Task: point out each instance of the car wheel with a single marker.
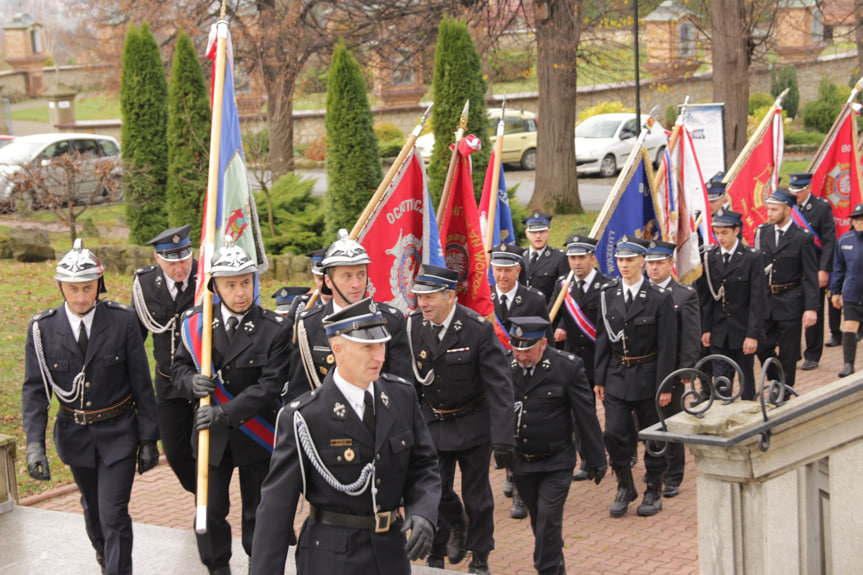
(608, 166)
(659, 153)
(528, 160)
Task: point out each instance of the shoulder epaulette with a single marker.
(304, 400)
(395, 378)
(271, 315)
(712, 247)
(687, 287)
(535, 291)
(192, 311)
(117, 305)
(43, 314)
(571, 357)
(613, 282)
(145, 269)
(308, 312)
(474, 315)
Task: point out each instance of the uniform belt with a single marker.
(162, 373)
(779, 288)
(553, 449)
(82, 417)
(631, 361)
(449, 414)
(380, 522)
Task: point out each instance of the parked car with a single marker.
(519, 138)
(5, 140)
(40, 151)
(603, 142)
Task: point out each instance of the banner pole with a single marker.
(447, 184)
(756, 136)
(495, 180)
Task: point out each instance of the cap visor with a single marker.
(373, 334)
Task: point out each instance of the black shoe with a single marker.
(455, 550)
(223, 570)
(834, 341)
(652, 502)
(808, 365)
(859, 336)
(847, 370)
(479, 563)
(581, 475)
(435, 562)
(519, 510)
(626, 492)
(507, 485)
(671, 490)
(100, 559)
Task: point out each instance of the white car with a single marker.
(603, 142)
(38, 151)
(519, 138)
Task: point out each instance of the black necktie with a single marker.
(580, 289)
(231, 327)
(725, 257)
(179, 287)
(503, 304)
(628, 299)
(533, 257)
(82, 338)
(369, 412)
(779, 234)
(437, 329)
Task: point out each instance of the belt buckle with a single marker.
(382, 521)
(79, 416)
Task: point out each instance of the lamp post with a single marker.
(637, 73)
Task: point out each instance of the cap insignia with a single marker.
(385, 399)
(176, 239)
(518, 331)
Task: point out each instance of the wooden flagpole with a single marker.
(495, 180)
(202, 491)
(447, 184)
(756, 136)
(831, 135)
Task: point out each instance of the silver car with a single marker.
(603, 142)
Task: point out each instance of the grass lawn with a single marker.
(86, 108)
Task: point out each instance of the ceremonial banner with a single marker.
(503, 231)
(836, 169)
(462, 238)
(235, 209)
(401, 234)
(631, 209)
(755, 173)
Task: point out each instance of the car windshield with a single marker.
(18, 152)
(597, 127)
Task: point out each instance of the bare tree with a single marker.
(67, 185)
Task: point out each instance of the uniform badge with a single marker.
(323, 370)
(349, 454)
(283, 293)
(347, 442)
(518, 300)
(295, 404)
(513, 363)
(457, 325)
(385, 399)
(339, 409)
(423, 354)
(808, 207)
(419, 365)
(518, 331)
(216, 322)
(546, 364)
(176, 239)
(159, 281)
(330, 359)
(249, 327)
(642, 295)
(372, 307)
(425, 323)
(548, 253)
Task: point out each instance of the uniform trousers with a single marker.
(815, 334)
(176, 424)
(214, 546)
(786, 334)
(746, 363)
(544, 493)
(477, 498)
(105, 493)
(621, 436)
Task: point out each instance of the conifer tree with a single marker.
(353, 167)
(457, 78)
(144, 105)
(188, 139)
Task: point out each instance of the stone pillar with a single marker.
(786, 502)
(8, 483)
(61, 104)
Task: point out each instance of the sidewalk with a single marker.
(594, 542)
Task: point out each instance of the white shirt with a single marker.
(783, 229)
(588, 279)
(226, 313)
(510, 295)
(663, 284)
(633, 288)
(730, 252)
(75, 321)
(355, 395)
(537, 252)
(446, 322)
(172, 285)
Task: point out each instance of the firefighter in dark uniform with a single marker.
(578, 335)
(250, 364)
(818, 213)
(512, 299)
(285, 297)
(160, 295)
(792, 283)
(636, 347)
(543, 264)
(345, 278)
(732, 317)
(357, 447)
(89, 353)
(550, 388)
(300, 302)
(466, 399)
(660, 262)
(847, 287)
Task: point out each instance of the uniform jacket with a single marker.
(253, 367)
(116, 367)
(688, 312)
(819, 214)
(792, 261)
(549, 266)
(740, 314)
(527, 301)
(847, 278)
(162, 308)
(469, 366)
(316, 343)
(649, 326)
(576, 341)
(406, 469)
(557, 390)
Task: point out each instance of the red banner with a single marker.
(837, 175)
(755, 180)
(461, 237)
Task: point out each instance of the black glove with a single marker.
(504, 455)
(203, 385)
(211, 417)
(148, 456)
(422, 533)
(37, 462)
(597, 473)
